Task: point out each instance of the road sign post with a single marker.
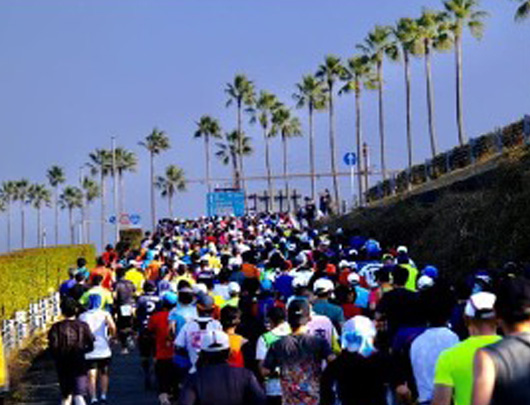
(350, 159)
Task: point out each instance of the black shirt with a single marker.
(399, 307)
(222, 385)
(69, 341)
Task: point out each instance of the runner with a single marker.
(124, 307)
(68, 341)
(102, 327)
(216, 382)
(299, 357)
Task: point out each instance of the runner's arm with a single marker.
(484, 382)
(111, 325)
(442, 395)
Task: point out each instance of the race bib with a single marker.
(126, 310)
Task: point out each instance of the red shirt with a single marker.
(109, 257)
(105, 273)
(159, 327)
(350, 310)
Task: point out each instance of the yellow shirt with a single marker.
(137, 278)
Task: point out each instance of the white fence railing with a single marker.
(24, 324)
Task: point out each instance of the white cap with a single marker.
(480, 306)
(215, 341)
(234, 288)
(354, 279)
(300, 281)
(402, 249)
(355, 331)
(343, 264)
(323, 285)
(425, 282)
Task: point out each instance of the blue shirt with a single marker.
(332, 311)
(284, 285)
(363, 297)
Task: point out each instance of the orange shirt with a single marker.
(250, 271)
(235, 359)
(152, 272)
(104, 272)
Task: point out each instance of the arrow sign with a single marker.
(350, 159)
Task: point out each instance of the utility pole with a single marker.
(115, 178)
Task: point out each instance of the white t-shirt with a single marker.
(321, 326)
(222, 291)
(424, 353)
(190, 337)
(97, 322)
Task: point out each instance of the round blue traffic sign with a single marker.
(350, 159)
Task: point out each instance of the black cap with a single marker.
(298, 312)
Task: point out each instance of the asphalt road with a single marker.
(40, 386)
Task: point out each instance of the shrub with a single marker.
(28, 275)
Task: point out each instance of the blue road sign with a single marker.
(112, 219)
(350, 159)
(226, 203)
(135, 219)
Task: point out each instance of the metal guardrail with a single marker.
(24, 324)
(475, 151)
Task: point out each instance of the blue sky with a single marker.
(73, 73)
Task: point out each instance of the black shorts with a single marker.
(99, 364)
(72, 382)
(165, 375)
(146, 345)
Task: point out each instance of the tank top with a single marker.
(96, 320)
(235, 359)
(511, 357)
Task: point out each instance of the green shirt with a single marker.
(454, 367)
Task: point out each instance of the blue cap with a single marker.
(170, 298)
(430, 271)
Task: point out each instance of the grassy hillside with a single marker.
(485, 218)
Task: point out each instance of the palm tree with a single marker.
(464, 13)
(359, 74)
(7, 193)
(380, 44)
(207, 127)
(523, 11)
(407, 35)
(234, 146)
(155, 143)
(240, 92)
(91, 191)
(39, 197)
(173, 181)
(126, 161)
(56, 177)
(310, 92)
(21, 195)
(329, 72)
(101, 164)
(71, 198)
(266, 104)
(433, 34)
(287, 126)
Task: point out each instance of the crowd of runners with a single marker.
(266, 309)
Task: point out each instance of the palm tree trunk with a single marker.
(409, 110)
(285, 178)
(87, 223)
(153, 209)
(312, 154)
(233, 158)
(9, 225)
(121, 200)
(71, 221)
(207, 153)
(268, 168)
(430, 101)
(332, 149)
(381, 119)
(239, 156)
(359, 140)
(22, 225)
(462, 138)
(39, 228)
(56, 215)
(170, 206)
(103, 204)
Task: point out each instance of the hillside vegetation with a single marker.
(484, 219)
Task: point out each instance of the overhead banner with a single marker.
(222, 203)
